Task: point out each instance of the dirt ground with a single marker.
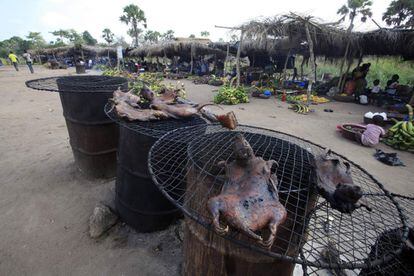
(45, 203)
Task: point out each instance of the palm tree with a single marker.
(133, 16)
(353, 8)
(168, 35)
(205, 33)
(109, 38)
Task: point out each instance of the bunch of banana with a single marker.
(300, 108)
(401, 134)
(314, 99)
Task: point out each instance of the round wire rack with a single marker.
(387, 243)
(192, 179)
(90, 84)
(154, 129)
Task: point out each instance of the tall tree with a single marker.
(108, 35)
(168, 35)
(88, 38)
(151, 36)
(400, 13)
(204, 34)
(61, 34)
(36, 40)
(133, 16)
(353, 9)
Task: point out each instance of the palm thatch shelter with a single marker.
(186, 50)
(288, 33)
(84, 51)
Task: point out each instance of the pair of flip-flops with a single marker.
(328, 110)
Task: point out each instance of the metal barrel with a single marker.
(93, 136)
(138, 200)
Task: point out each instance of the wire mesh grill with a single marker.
(191, 180)
(154, 129)
(90, 84)
(387, 243)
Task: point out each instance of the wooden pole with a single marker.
(238, 58)
(348, 31)
(192, 58)
(312, 57)
(227, 59)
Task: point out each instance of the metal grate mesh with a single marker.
(188, 176)
(386, 243)
(92, 84)
(154, 129)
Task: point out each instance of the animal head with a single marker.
(242, 149)
(147, 94)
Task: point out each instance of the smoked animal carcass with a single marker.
(335, 184)
(249, 198)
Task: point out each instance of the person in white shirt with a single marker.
(28, 58)
(375, 92)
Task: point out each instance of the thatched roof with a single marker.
(71, 50)
(281, 33)
(171, 49)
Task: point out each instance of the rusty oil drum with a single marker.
(93, 136)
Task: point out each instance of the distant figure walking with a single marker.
(13, 58)
(29, 61)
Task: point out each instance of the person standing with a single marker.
(29, 61)
(13, 58)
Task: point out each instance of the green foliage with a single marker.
(36, 39)
(205, 34)
(108, 35)
(62, 34)
(88, 38)
(354, 8)
(381, 68)
(231, 95)
(152, 36)
(132, 16)
(400, 13)
(192, 36)
(168, 35)
(15, 44)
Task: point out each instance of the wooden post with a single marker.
(192, 58)
(238, 58)
(286, 62)
(227, 59)
(301, 67)
(348, 31)
(312, 57)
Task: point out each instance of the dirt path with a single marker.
(45, 203)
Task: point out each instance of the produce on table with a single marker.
(249, 198)
(231, 95)
(401, 134)
(335, 184)
(300, 108)
(313, 99)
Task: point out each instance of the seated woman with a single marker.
(392, 85)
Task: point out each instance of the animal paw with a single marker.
(222, 230)
(268, 243)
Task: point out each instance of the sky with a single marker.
(185, 17)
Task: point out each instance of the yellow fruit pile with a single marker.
(314, 99)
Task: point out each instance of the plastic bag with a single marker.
(390, 159)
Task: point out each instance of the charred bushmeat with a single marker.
(335, 184)
(249, 198)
